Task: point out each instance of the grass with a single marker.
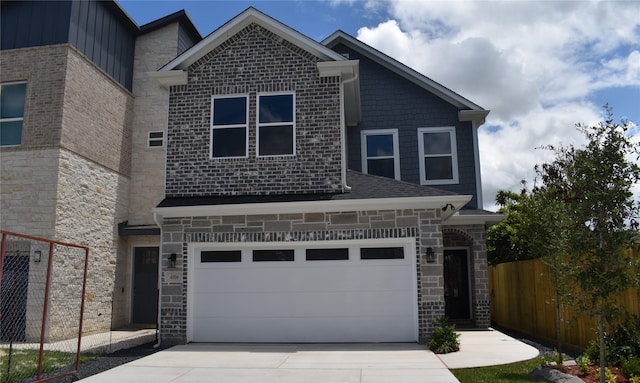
(507, 373)
(24, 363)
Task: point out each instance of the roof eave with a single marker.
(430, 202)
(402, 70)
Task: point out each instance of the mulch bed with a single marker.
(593, 376)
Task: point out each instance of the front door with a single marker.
(456, 284)
(145, 285)
(13, 298)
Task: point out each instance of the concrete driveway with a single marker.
(286, 363)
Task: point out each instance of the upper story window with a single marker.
(12, 99)
(380, 154)
(155, 139)
(276, 124)
(229, 121)
(438, 157)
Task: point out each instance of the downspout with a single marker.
(159, 340)
(343, 128)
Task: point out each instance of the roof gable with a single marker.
(233, 26)
(340, 37)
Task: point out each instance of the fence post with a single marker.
(45, 310)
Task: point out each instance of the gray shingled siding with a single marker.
(423, 225)
(253, 61)
(392, 102)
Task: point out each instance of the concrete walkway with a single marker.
(315, 363)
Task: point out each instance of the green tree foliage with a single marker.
(591, 188)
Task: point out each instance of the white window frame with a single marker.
(15, 119)
(454, 155)
(245, 125)
(266, 125)
(396, 149)
(155, 139)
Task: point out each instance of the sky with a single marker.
(540, 67)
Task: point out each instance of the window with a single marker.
(221, 256)
(272, 255)
(438, 159)
(382, 253)
(276, 125)
(12, 99)
(327, 254)
(155, 139)
(380, 153)
(229, 116)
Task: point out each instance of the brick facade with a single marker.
(254, 61)
(423, 225)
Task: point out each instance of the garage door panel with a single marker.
(304, 278)
(297, 304)
(303, 301)
(317, 329)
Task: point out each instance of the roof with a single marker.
(179, 17)
(340, 37)
(233, 26)
(367, 192)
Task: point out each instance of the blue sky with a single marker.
(539, 66)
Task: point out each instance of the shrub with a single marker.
(631, 367)
(584, 363)
(622, 343)
(444, 339)
(609, 376)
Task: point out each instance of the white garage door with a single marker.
(336, 292)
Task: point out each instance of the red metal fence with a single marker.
(42, 290)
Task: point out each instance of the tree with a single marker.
(592, 187)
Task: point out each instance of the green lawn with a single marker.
(24, 363)
(508, 373)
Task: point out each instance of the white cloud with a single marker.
(533, 64)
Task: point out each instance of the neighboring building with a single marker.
(284, 190)
(74, 97)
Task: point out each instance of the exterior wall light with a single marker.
(172, 260)
(37, 256)
(431, 255)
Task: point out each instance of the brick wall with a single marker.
(473, 237)
(423, 225)
(252, 61)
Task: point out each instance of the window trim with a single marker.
(268, 124)
(212, 127)
(455, 179)
(396, 149)
(155, 139)
(15, 119)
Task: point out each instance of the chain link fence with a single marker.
(42, 289)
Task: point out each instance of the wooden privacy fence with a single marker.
(523, 299)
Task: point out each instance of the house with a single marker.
(265, 186)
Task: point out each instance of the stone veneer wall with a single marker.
(253, 61)
(423, 225)
(91, 200)
(473, 237)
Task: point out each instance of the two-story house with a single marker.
(252, 186)
(315, 192)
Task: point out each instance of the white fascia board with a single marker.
(313, 206)
(169, 78)
(478, 116)
(235, 25)
(344, 69)
(480, 219)
(402, 70)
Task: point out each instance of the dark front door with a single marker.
(13, 298)
(145, 285)
(456, 284)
